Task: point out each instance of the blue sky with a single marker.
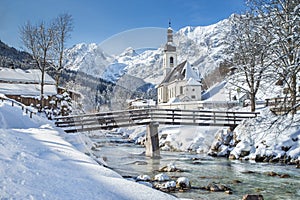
(97, 20)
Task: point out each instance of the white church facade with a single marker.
(181, 86)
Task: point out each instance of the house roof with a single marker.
(30, 90)
(25, 82)
(183, 71)
(24, 76)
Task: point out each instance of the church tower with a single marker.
(170, 55)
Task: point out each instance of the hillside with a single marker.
(11, 57)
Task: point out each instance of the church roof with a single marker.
(183, 71)
(169, 47)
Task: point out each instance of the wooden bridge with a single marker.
(152, 118)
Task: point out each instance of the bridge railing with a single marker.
(105, 120)
(125, 118)
(200, 117)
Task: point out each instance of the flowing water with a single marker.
(242, 177)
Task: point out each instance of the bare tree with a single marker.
(38, 39)
(63, 26)
(282, 25)
(250, 49)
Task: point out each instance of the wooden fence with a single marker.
(23, 107)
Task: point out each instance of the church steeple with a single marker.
(170, 33)
(170, 55)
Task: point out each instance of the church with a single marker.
(181, 82)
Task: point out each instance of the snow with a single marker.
(190, 73)
(161, 177)
(24, 76)
(192, 82)
(39, 162)
(25, 82)
(177, 138)
(31, 90)
(269, 135)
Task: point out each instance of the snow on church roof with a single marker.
(183, 71)
(190, 72)
(192, 82)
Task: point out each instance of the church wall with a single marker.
(193, 92)
(176, 89)
(162, 94)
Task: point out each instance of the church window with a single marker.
(181, 90)
(171, 60)
(193, 97)
(193, 89)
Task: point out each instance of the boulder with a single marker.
(183, 183)
(143, 178)
(170, 185)
(217, 187)
(170, 168)
(253, 197)
(161, 177)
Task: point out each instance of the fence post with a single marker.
(173, 115)
(194, 119)
(234, 118)
(214, 113)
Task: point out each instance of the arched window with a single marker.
(171, 60)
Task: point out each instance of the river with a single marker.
(243, 177)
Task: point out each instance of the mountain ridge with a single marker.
(202, 46)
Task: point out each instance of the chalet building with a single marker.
(25, 85)
(181, 82)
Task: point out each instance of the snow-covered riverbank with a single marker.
(265, 138)
(38, 162)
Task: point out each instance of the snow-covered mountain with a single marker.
(87, 58)
(203, 46)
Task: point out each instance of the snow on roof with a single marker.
(190, 72)
(193, 82)
(26, 89)
(23, 76)
(183, 71)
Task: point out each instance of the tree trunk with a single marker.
(252, 100)
(57, 76)
(293, 94)
(42, 91)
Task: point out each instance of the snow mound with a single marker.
(14, 117)
(269, 136)
(36, 162)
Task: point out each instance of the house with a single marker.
(181, 82)
(141, 103)
(25, 85)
